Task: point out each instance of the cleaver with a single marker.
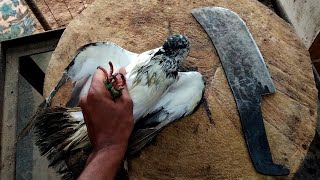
(248, 78)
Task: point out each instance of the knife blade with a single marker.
(248, 78)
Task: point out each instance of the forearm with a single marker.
(103, 164)
(109, 123)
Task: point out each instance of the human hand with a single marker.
(109, 122)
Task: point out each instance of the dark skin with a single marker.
(109, 123)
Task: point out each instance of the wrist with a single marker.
(103, 163)
(111, 152)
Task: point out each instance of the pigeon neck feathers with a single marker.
(174, 50)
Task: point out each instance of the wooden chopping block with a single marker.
(195, 147)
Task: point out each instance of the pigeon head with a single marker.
(174, 50)
(165, 62)
(176, 46)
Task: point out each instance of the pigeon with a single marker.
(161, 94)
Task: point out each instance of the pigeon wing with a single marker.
(86, 61)
(178, 101)
(81, 69)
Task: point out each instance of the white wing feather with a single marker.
(99, 54)
(182, 96)
(93, 55)
(179, 100)
(89, 58)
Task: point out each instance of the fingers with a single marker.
(122, 71)
(125, 94)
(97, 88)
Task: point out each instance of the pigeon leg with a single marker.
(103, 70)
(112, 83)
(116, 82)
(124, 82)
(111, 68)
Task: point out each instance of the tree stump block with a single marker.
(194, 147)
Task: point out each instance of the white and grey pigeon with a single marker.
(160, 94)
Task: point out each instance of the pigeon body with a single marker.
(160, 94)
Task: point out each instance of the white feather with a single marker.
(177, 98)
(77, 115)
(183, 96)
(100, 54)
(165, 101)
(160, 96)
